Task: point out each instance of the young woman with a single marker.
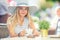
(20, 21)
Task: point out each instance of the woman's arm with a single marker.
(11, 29)
(35, 32)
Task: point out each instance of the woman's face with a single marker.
(23, 11)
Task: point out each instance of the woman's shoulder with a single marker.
(9, 19)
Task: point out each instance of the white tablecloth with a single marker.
(36, 38)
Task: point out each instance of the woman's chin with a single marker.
(22, 15)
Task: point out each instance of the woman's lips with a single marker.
(23, 13)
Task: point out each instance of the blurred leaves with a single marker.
(53, 0)
(37, 14)
(44, 25)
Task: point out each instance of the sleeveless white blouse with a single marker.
(19, 28)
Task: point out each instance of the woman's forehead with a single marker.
(22, 7)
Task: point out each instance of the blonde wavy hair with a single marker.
(14, 18)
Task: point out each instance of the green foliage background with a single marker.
(44, 25)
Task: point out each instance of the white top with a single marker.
(55, 24)
(19, 28)
(54, 21)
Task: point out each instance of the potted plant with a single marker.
(44, 26)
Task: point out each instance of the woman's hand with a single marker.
(22, 33)
(35, 33)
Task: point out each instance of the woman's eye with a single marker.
(25, 8)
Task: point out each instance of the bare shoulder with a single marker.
(9, 19)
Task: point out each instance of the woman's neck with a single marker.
(21, 20)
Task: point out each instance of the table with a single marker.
(36, 38)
